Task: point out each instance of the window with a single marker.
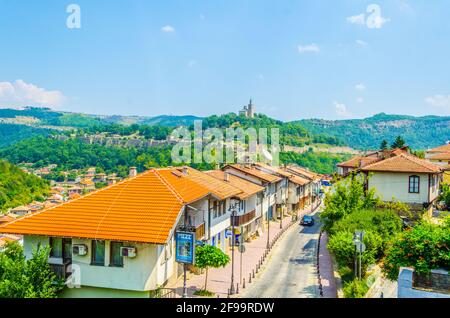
(116, 259)
(98, 253)
(414, 184)
(215, 208)
(56, 247)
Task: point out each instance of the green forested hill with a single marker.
(19, 188)
(10, 133)
(419, 132)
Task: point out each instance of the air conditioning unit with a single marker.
(79, 249)
(128, 251)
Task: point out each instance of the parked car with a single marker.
(307, 220)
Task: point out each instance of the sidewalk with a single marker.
(219, 279)
(327, 278)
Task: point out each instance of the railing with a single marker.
(163, 293)
(60, 270)
(200, 231)
(243, 219)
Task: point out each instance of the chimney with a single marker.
(133, 172)
(226, 176)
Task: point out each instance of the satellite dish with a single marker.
(267, 155)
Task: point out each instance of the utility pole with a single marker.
(268, 219)
(233, 241)
(185, 294)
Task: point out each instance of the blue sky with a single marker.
(296, 59)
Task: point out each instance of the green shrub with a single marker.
(341, 245)
(355, 289)
(424, 247)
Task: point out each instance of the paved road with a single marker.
(291, 271)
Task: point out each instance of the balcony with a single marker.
(243, 219)
(61, 270)
(200, 231)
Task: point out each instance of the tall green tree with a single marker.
(208, 256)
(399, 142)
(21, 278)
(384, 145)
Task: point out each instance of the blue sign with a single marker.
(228, 233)
(185, 247)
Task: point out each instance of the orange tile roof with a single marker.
(441, 156)
(247, 188)
(299, 180)
(6, 219)
(403, 163)
(283, 172)
(218, 188)
(266, 177)
(357, 162)
(140, 209)
(444, 148)
(188, 190)
(302, 171)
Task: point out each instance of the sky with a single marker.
(295, 58)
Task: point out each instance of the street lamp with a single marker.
(232, 208)
(268, 218)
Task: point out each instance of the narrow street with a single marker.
(291, 271)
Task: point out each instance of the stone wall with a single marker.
(410, 285)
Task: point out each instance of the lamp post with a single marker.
(268, 220)
(233, 241)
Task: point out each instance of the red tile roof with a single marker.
(444, 148)
(441, 156)
(265, 177)
(403, 163)
(247, 188)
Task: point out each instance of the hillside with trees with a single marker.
(368, 133)
(19, 188)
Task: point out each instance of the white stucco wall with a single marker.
(143, 273)
(396, 185)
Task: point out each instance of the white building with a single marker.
(404, 178)
(119, 241)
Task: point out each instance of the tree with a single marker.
(398, 143)
(21, 278)
(349, 195)
(424, 247)
(208, 256)
(384, 145)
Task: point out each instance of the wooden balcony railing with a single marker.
(243, 219)
(200, 231)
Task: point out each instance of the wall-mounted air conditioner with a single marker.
(79, 249)
(128, 251)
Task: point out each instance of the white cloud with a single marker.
(441, 101)
(361, 43)
(373, 20)
(377, 22)
(360, 87)
(359, 19)
(314, 48)
(20, 93)
(360, 100)
(168, 29)
(341, 109)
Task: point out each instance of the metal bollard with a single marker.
(253, 271)
(250, 278)
(243, 283)
(237, 288)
